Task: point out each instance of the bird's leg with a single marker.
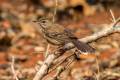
(77, 54)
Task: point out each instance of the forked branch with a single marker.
(47, 63)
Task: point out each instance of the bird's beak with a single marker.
(35, 21)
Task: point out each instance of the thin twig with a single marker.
(98, 67)
(105, 32)
(47, 50)
(55, 10)
(113, 17)
(116, 22)
(13, 69)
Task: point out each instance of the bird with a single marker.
(58, 35)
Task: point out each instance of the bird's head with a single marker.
(44, 23)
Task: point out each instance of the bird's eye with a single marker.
(43, 21)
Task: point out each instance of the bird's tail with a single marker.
(83, 47)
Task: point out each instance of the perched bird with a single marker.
(58, 35)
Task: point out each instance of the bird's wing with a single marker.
(56, 35)
(69, 33)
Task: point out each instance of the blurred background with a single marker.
(19, 37)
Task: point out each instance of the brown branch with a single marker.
(62, 61)
(63, 68)
(46, 65)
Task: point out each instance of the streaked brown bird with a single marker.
(58, 35)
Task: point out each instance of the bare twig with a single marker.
(55, 10)
(13, 69)
(98, 68)
(47, 50)
(113, 17)
(116, 22)
(59, 71)
(106, 31)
